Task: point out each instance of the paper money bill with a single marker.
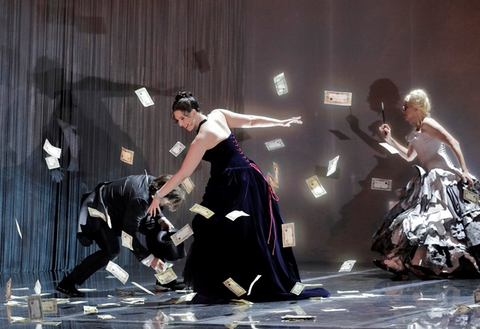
(37, 288)
(251, 284)
(297, 317)
(127, 240)
(332, 165)
(127, 155)
(52, 162)
(234, 287)
(34, 303)
(271, 181)
(52, 150)
(87, 309)
(337, 98)
(199, 209)
(117, 272)
(297, 288)
(182, 234)
(235, 214)
(274, 144)
(105, 316)
(143, 288)
(280, 84)
(18, 229)
(315, 186)
(177, 148)
(381, 184)
(347, 266)
(166, 276)
(49, 306)
(188, 185)
(288, 235)
(275, 172)
(92, 212)
(186, 298)
(144, 97)
(470, 196)
(389, 148)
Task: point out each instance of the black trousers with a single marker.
(109, 245)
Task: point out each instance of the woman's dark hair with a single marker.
(176, 196)
(185, 102)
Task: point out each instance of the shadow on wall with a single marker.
(350, 237)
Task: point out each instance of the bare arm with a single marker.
(194, 156)
(407, 153)
(237, 120)
(436, 130)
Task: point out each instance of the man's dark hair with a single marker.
(176, 196)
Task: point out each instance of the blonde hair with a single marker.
(418, 98)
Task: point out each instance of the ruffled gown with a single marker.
(244, 248)
(433, 231)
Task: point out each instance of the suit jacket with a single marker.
(125, 202)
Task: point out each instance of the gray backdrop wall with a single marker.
(69, 70)
(379, 51)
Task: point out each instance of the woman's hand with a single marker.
(154, 207)
(386, 131)
(467, 178)
(288, 122)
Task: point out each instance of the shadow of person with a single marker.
(83, 125)
(351, 236)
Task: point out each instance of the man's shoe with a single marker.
(69, 289)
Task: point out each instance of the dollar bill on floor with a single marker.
(35, 311)
(347, 266)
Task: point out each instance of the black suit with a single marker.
(126, 201)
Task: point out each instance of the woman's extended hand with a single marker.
(288, 122)
(154, 207)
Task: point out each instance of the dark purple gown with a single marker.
(249, 245)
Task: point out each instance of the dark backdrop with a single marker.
(69, 70)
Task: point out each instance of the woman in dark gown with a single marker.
(249, 247)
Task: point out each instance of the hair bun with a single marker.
(183, 94)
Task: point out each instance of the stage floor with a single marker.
(365, 297)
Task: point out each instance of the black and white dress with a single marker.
(432, 231)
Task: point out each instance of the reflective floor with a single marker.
(365, 297)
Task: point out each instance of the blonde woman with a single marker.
(432, 231)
